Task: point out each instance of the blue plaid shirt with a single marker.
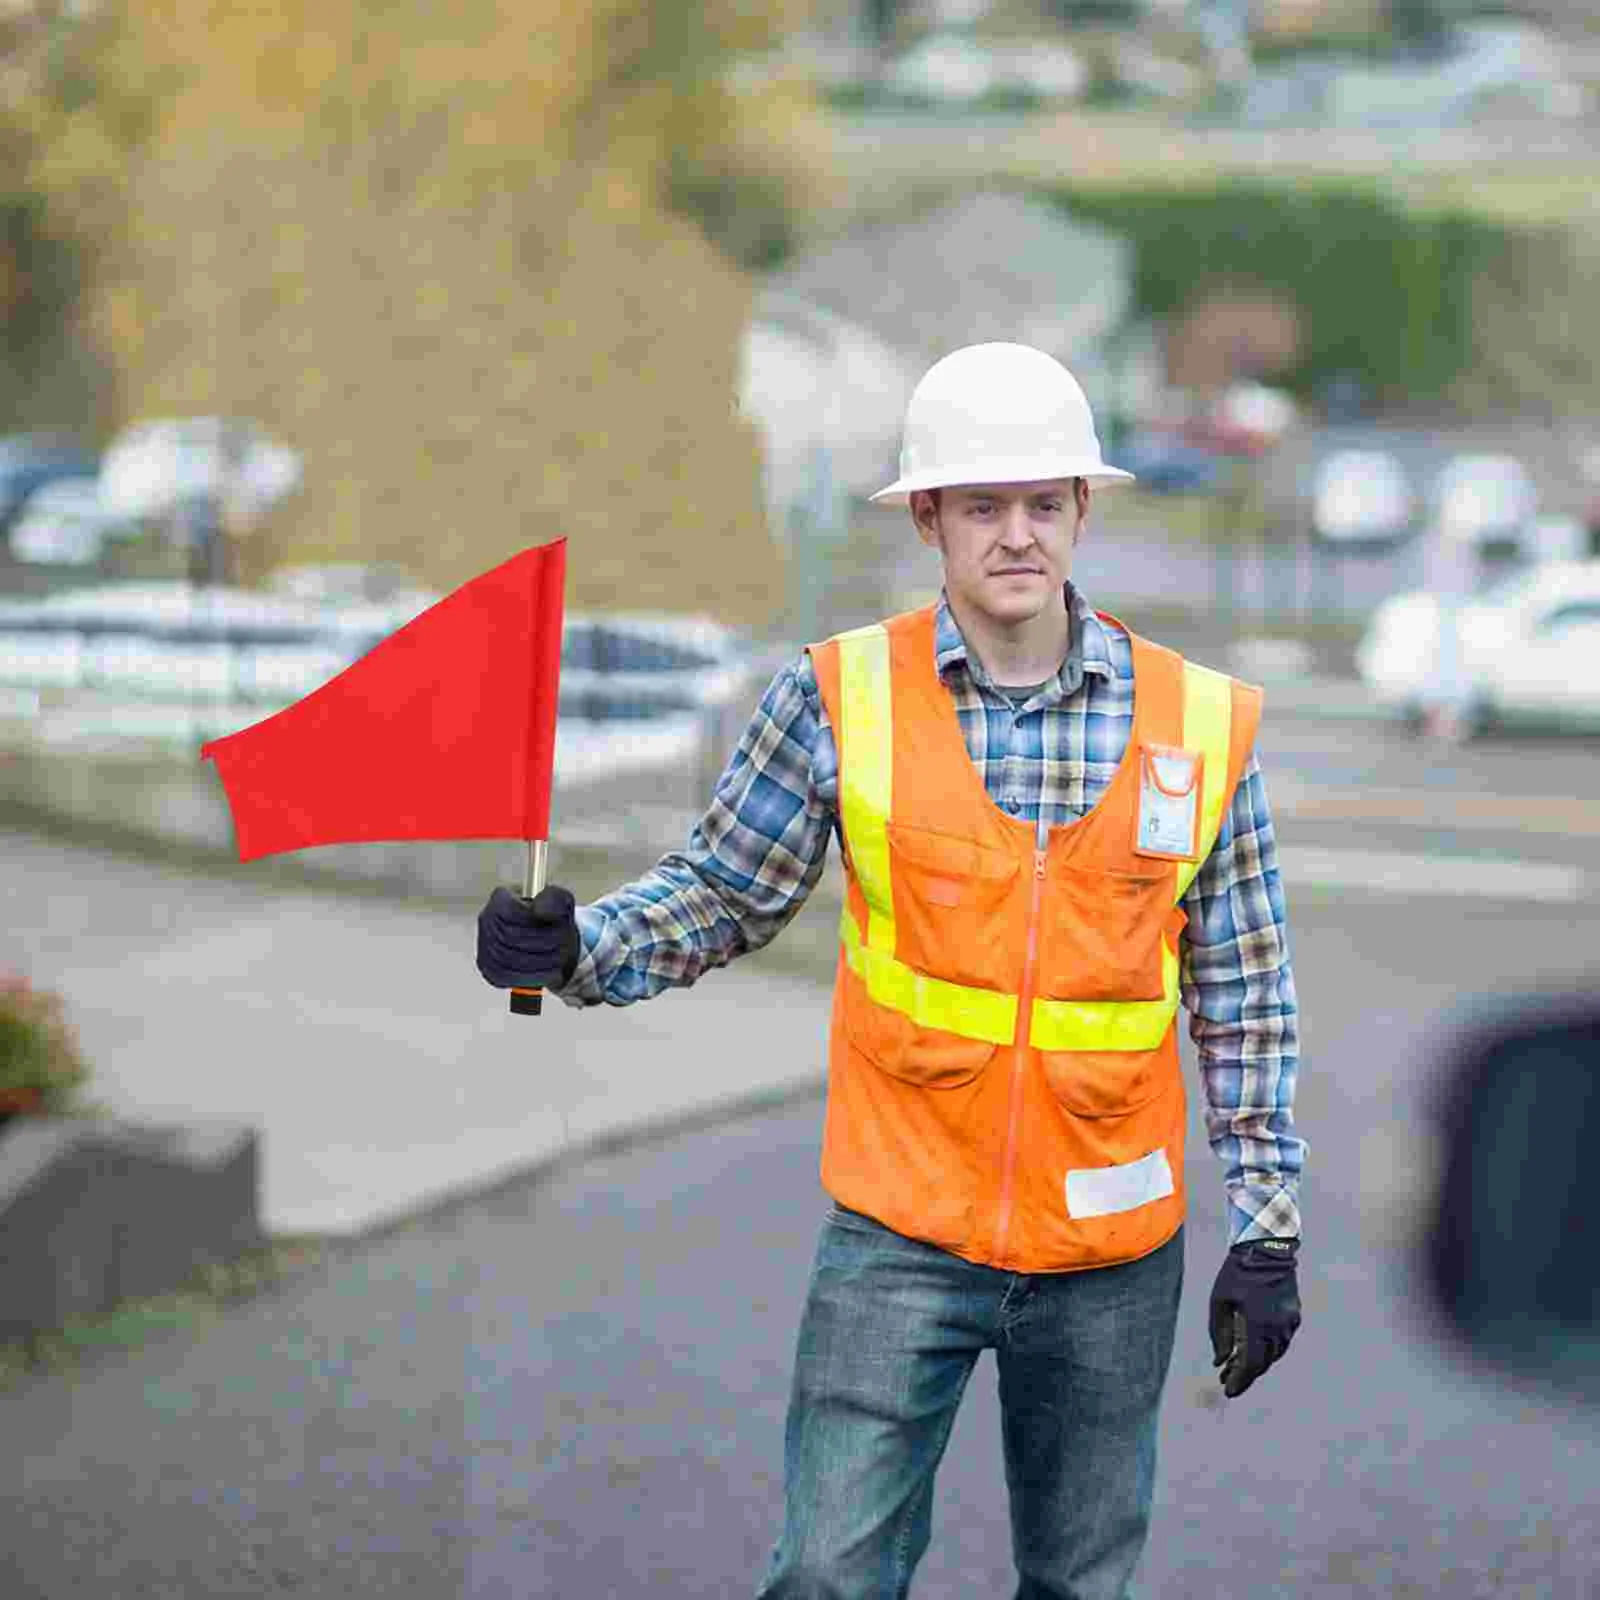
(761, 846)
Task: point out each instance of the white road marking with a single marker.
(1392, 872)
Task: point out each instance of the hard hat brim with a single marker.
(1096, 473)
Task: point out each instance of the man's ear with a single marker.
(1080, 493)
(925, 516)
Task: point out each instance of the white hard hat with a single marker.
(997, 413)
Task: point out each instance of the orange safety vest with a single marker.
(1003, 1073)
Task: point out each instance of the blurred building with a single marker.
(814, 381)
(991, 265)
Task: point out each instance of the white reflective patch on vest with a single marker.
(1102, 1191)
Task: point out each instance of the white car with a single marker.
(1361, 495)
(65, 522)
(953, 68)
(1530, 648)
(1484, 499)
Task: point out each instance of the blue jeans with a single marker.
(888, 1339)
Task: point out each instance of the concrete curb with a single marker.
(93, 1214)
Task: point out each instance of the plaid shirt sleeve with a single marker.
(1238, 985)
(748, 866)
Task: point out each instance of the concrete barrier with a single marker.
(127, 790)
(96, 1213)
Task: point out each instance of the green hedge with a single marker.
(1383, 292)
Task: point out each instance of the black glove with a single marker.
(528, 944)
(1255, 1309)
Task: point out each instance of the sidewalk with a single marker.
(357, 1035)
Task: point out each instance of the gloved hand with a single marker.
(528, 944)
(1255, 1309)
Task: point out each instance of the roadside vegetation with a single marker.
(491, 282)
(493, 287)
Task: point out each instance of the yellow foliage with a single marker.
(443, 268)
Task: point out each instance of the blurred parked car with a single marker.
(30, 460)
(64, 522)
(1562, 538)
(1361, 496)
(951, 67)
(1166, 463)
(187, 643)
(335, 583)
(152, 468)
(1487, 501)
(1530, 649)
(1247, 421)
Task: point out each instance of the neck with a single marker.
(1022, 652)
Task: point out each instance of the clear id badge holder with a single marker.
(1171, 782)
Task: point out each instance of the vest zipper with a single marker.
(1019, 1056)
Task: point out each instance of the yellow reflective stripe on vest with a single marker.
(1107, 1024)
(866, 773)
(1207, 726)
(929, 1002)
(865, 801)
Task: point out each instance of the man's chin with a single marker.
(1016, 609)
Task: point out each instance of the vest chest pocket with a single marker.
(1101, 932)
(957, 914)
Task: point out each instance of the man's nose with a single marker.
(1016, 531)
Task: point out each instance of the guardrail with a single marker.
(174, 666)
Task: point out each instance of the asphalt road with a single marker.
(575, 1386)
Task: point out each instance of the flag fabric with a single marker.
(445, 730)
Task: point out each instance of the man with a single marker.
(1052, 831)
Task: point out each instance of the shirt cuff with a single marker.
(1260, 1211)
(601, 950)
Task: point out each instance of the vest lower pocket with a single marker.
(1102, 1083)
(927, 1057)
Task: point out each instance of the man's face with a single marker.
(1007, 547)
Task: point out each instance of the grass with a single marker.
(1541, 195)
(134, 1324)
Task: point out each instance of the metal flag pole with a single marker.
(529, 1002)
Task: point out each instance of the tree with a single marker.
(445, 265)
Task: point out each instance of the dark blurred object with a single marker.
(28, 460)
(1079, 12)
(1422, 26)
(1344, 398)
(1590, 468)
(1508, 1260)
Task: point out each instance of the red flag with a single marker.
(445, 730)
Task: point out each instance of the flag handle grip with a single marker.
(530, 1002)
